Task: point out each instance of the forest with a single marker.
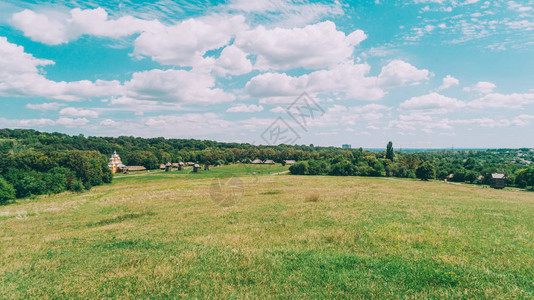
(34, 163)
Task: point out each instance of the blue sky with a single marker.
(421, 73)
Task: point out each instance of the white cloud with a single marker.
(176, 86)
(495, 100)
(20, 75)
(278, 110)
(45, 106)
(483, 87)
(432, 103)
(109, 123)
(54, 29)
(63, 121)
(185, 43)
(398, 73)
(75, 112)
(245, 108)
(314, 46)
(448, 82)
(348, 78)
(232, 61)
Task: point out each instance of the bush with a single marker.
(343, 168)
(425, 171)
(7, 192)
(77, 186)
(300, 168)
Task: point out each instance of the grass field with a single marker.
(154, 235)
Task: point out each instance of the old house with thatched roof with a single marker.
(269, 162)
(196, 168)
(180, 166)
(115, 164)
(168, 167)
(288, 162)
(162, 167)
(191, 164)
(256, 161)
(498, 181)
(135, 168)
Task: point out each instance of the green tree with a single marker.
(426, 171)
(389, 152)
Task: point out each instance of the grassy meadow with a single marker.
(166, 235)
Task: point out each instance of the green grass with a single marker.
(157, 234)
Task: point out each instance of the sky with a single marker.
(420, 73)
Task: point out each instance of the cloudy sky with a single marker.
(421, 73)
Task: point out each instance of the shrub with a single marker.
(7, 192)
(300, 168)
(77, 186)
(425, 171)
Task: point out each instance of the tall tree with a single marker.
(389, 151)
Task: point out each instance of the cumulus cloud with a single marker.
(185, 43)
(495, 100)
(350, 79)
(314, 46)
(45, 106)
(399, 73)
(21, 75)
(58, 29)
(176, 86)
(245, 108)
(76, 112)
(483, 87)
(232, 61)
(63, 121)
(432, 103)
(448, 82)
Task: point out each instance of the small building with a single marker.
(196, 168)
(115, 164)
(168, 167)
(191, 164)
(180, 166)
(498, 181)
(269, 162)
(256, 161)
(162, 167)
(135, 168)
(346, 146)
(288, 162)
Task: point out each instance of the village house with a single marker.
(498, 181)
(135, 168)
(256, 161)
(289, 162)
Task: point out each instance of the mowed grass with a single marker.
(158, 235)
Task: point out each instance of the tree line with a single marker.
(34, 162)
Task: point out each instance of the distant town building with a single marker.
(115, 164)
(346, 146)
(498, 181)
